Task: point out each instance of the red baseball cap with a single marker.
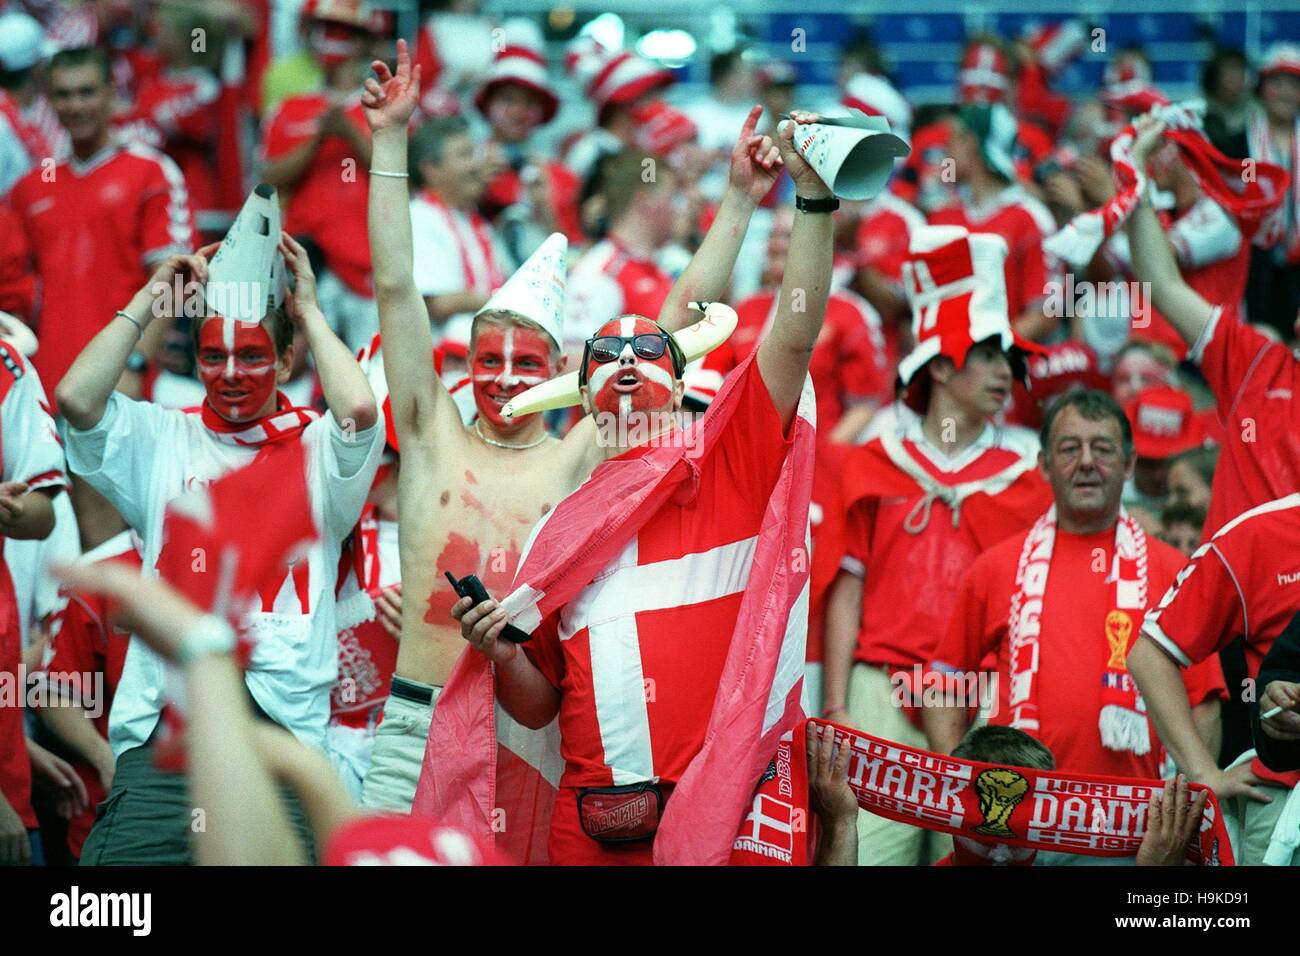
(1164, 422)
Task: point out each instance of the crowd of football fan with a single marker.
(1162, 394)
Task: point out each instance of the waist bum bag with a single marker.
(621, 814)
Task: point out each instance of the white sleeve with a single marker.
(119, 455)
(589, 303)
(1204, 235)
(437, 266)
(32, 452)
(340, 468)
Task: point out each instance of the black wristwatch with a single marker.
(137, 363)
(827, 204)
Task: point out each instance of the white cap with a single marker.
(536, 290)
(22, 41)
(248, 267)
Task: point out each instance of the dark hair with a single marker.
(1202, 460)
(1092, 405)
(723, 63)
(1005, 745)
(276, 323)
(1181, 513)
(1222, 56)
(81, 56)
(430, 140)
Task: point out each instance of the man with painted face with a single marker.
(142, 456)
(468, 495)
(684, 562)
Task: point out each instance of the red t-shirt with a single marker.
(1244, 582)
(1073, 648)
(847, 365)
(1256, 386)
(635, 699)
(94, 231)
(325, 202)
(911, 580)
(1023, 222)
(885, 233)
(86, 643)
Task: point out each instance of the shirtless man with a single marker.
(469, 495)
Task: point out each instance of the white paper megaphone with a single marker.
(695, 340)
(853, 155)
(247, 270)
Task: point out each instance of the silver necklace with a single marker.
(478, 430)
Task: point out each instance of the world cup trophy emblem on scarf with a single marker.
(1119, 628)
(999, 792)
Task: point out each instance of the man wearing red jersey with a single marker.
(923, 497)
(1255, 380)
(100, 221)
(1060, 606)
(316, 149)
(989, 199)
(31, 473)
(1244, 582)
(620, 274)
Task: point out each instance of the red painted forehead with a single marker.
(627, 325)
(519, 339)
(212, 335)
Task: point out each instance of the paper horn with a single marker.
(695, 340)
(853, 155)
(247, 271)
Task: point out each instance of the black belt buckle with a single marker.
(627, 814)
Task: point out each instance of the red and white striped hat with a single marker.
(1281, 58)
(875, 96)
(522, 62)
(1056, 45)
(984, 75)
(957, 289)
(660, 128)
(1127, 86)
(613, 78)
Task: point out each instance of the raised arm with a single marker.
(1154, 264)
(755, 166)
(418, 397)
(785, 351)
(347, 392)
(82, 394)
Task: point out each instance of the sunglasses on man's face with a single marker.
(647, 345)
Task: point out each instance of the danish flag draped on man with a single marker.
(758, 698)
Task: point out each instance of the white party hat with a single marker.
(536, 290)
(247, 271)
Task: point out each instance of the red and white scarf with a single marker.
(283, 424)
(1262, 145)
(1221, 177)
(1122, 720)
(486, 279)
(1014, 806)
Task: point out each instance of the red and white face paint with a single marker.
(507, 361)
(632, 383)
(236, 363)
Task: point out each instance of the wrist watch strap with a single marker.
(826, 204)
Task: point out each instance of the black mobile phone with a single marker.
(471, 587)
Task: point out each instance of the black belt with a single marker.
(410, 690)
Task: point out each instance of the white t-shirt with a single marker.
(141, 457)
